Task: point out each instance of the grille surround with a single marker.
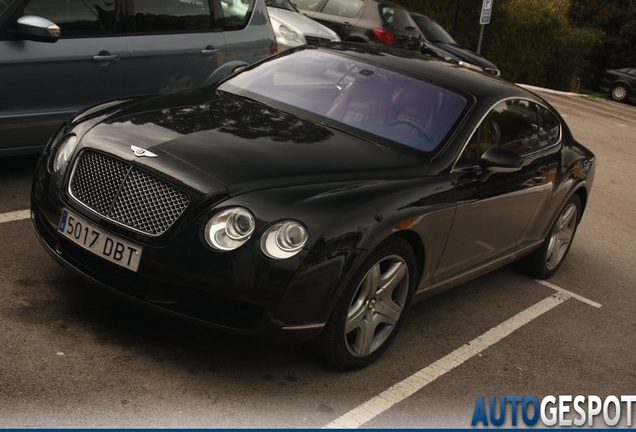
(126, 194)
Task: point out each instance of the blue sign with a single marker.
(486, 12)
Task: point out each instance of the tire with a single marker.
(545, 261)
(619, 93)
(370, 311)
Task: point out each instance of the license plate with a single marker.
(102, 244)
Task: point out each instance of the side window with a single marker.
(343, 8)
(78, 18)
(171, 16)
(549, 128)
(518, 122)
(519, 125)
(236, 14)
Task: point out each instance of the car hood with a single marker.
(459, 53)
(241, 145)
(301, 24)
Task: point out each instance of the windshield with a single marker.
(281, 4)
(432, 31)
(365, 99)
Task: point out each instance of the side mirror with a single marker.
(500, 159)
(35, 28)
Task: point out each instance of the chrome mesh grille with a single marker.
(126, 194)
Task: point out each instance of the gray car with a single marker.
(58, 56)
(293, 28)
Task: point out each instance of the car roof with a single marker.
(482, 87)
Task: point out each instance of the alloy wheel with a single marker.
(377, 305)
(562, 236)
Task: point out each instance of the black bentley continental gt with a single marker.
(313, 196)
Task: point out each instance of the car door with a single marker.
(173, 44)
(340, 15)
(44, 83)
(497, 212)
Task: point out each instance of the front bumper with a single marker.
(237, 292)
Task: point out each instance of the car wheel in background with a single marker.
(369, 313)
(619, 93)
(546, 260)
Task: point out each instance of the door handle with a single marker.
(106, 57)
(210, 50)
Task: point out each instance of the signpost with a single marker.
(486, 12)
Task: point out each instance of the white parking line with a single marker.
(14, 216)
(569, 293)
(400, 391)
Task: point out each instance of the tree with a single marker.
(616, 19)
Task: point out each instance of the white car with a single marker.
(292, 28)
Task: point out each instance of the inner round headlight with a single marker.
(284, 239)
(230, 228)
(64, 152)
(289, 34)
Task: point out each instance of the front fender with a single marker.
(346, 222)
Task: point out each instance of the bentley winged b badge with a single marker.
(139, 152)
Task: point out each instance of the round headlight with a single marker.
(470, 66)
(289, 34)
(64, 152)
(284, 239)
(230, 228)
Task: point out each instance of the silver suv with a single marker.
(58, 56)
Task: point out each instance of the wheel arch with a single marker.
(583, 196)
(411, 238)
(418, 248)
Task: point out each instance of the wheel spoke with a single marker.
(359, 306)
(387, 312)
(561, 237)
(355, 319)
(391, 278)
(567, 217)
(365, 337)
(371, 282)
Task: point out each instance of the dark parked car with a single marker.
(438, 43)
(620, 84)
(104, 49)
(368, 21)
(314, 195)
